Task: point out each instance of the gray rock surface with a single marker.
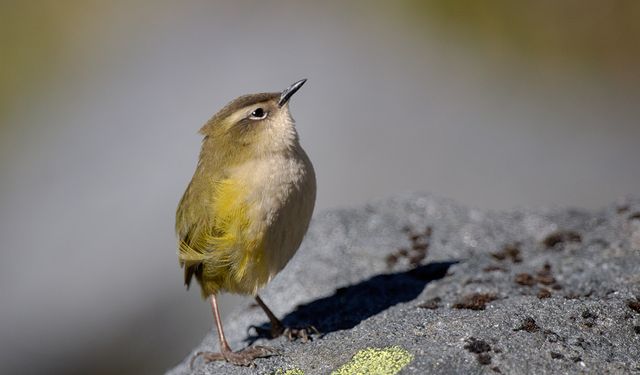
(544, 292)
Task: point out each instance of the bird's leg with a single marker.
(278, 329)
(243, 357)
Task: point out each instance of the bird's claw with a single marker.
(304, 334)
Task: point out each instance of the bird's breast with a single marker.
(280, 195)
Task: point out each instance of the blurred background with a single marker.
(496, 104)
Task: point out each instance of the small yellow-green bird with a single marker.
(247, 207)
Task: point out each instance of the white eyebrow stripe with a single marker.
(246, 111)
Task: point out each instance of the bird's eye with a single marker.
(258, 114)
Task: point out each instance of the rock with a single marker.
(382, 313)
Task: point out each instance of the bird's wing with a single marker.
(192, 226)
(210, 223)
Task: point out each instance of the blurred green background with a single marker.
(496, 104)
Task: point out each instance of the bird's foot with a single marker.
(304, 333)
(243, 357)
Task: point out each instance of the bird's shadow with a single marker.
(350, 305)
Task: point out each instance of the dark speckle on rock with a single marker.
(575, 295)
(481, 348)
(545, 279)
(543, 293)
(391, 260)
(509, 251)
(528, 325)
(552, 336)
(581, 343)
(556, 355)
(544, 276)
(339, 282)
(418, 252)
(431, 304)
(561, 237)
(634, 304)
(525, 279)
(475, 301)
(484, 358)
(475, 345)
(622, 208)
(494, 267)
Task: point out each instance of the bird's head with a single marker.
(254, 124)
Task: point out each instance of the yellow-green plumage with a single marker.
(249, 202)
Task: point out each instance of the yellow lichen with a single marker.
(376, 361)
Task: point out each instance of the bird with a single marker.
(246, 209)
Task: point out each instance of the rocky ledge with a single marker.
(418, 284)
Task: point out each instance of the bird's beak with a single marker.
(289, 91)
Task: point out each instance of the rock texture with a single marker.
(461, 290)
